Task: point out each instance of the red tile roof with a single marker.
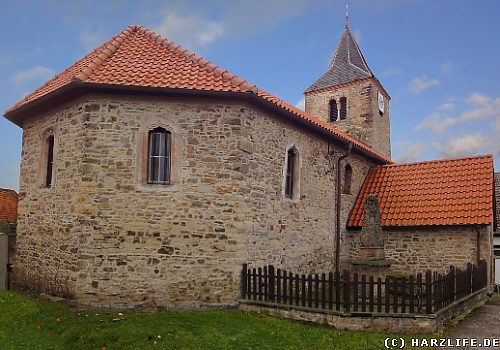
(442, 192)
(138, 57)
(8, 205)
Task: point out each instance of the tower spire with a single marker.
(346, 15)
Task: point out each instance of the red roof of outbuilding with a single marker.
(138, 57)
(442, 192)
(8, 206)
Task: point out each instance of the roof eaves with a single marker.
(12, 113)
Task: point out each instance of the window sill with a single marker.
(157, 187)
(291, 200)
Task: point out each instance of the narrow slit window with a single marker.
(50, 161)
(343, 108)
(290, 168)
(159, 156)
(334, 112)
(347, 179)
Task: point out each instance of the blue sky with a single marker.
(439, 60)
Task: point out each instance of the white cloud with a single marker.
(436, 122)
(447, 67)
(301, 104)
(463, 145)
(34, 74)
(193, 24)
(478, 99)
(421, 83)
(447, 106)
(189, 30)
(482, 107)
(411, 153)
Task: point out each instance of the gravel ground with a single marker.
(483, 323)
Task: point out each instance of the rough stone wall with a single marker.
(294, 234)
(413, 250)
(48, 232)
(115, 240)
(363, 120)
(184, 244)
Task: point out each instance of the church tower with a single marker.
(349, 97)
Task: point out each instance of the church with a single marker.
(150, 175)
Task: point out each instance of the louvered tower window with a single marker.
(343, 108)
(334, 112)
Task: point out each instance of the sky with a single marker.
(439, 60)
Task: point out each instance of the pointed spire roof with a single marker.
(347, 64)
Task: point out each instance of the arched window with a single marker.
(291, 173)
(50, 161)
(159, 156)
(343, 108)
(334, 112)
(347, 179)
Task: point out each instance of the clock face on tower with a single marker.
(381, 102)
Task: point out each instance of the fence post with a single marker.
(428, 292)
(419, 293)
(244, 285)
(271, 283)
(347, 291)
(337, 290)
(453, 284)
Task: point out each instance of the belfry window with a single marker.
(333, 111)
(50, 161)
(343, 108)
(159, 156)
(347, 179)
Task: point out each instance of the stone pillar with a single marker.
(371, 255)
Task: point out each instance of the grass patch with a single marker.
(27, 323)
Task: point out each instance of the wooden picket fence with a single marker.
(354, 293)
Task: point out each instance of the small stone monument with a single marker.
(371, 255)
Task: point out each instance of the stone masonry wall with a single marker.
(184, 244)
(363, 121)
(294, 234)
(108, 238)
(413, 250)
(48, 231)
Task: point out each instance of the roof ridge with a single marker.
(200, 61)
(488, 155)
(111, 46)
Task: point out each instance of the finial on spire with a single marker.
(346, 15)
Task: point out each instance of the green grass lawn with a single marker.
(27, 323)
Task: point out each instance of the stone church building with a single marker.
(150, 175)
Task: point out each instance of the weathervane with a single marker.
(346, 15)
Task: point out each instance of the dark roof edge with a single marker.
(338, 86)
(76, 88)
